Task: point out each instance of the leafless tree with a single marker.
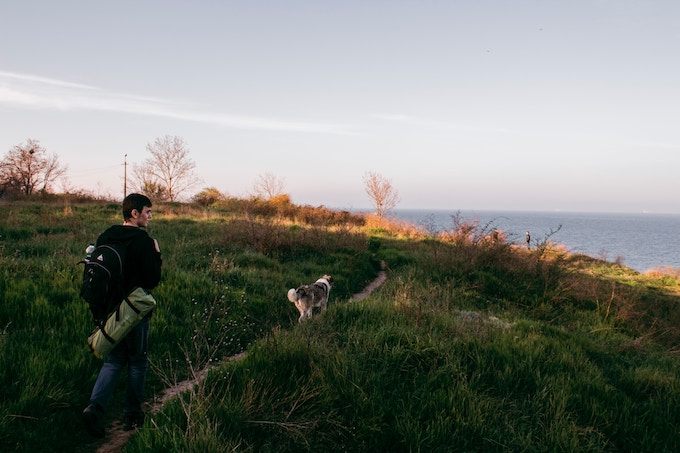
(28, 168)
(147, 182)
(381, 192)
(168, 172)
(268, 186)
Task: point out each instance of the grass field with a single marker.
(472, 344)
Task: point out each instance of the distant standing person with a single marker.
(528, 235)
(142, 268)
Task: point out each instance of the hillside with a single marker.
(471, 344)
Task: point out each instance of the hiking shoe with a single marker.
(93, 421)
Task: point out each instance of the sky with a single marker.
(461, 104)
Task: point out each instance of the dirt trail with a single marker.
(375, 284)
(116, 437)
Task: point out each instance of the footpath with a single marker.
(117, 437)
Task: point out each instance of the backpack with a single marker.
(103, 283)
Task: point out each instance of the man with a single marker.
(142, 268)
(528, 238)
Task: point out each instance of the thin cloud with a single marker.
(657, 145)
(30, 91)
(42, 80)
(431, 124)
(414, 121)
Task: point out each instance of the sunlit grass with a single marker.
(472, 342)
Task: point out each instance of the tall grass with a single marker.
(473, 344)
(224, 277)
(368, 377)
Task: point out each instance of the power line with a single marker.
(91, 171)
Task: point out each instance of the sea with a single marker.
(640, 241)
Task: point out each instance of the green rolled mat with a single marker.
(131, 310)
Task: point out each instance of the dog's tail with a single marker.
(292, 295)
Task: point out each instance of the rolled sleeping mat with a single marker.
(129, 313)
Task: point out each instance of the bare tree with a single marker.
(27, 168)
(147, 182)
(168, 172)
(268, 186)
(381, 192)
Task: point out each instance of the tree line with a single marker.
(167, 175)
(28, 169)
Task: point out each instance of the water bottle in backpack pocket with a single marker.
(102, 286)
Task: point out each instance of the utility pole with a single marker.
(125, 177)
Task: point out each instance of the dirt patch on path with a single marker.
(375, 284)
(117, 437)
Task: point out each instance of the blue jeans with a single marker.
(131, 351)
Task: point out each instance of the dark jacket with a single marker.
(142, 265)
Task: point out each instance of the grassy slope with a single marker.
(471, 345)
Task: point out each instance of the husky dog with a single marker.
(306, 297)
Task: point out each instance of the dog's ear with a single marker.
(329, 278)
